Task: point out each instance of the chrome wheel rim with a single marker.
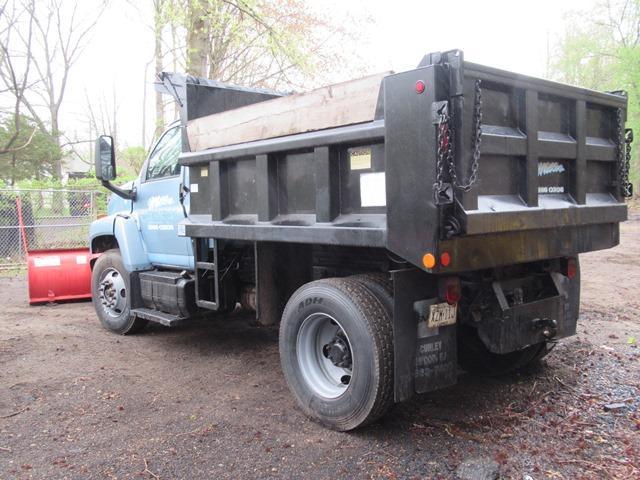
(324, 355)
(113, 292)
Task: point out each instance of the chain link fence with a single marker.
(44, 220)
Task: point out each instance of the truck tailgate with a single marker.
(549, 154)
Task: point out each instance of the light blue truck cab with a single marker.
(143, 269)
(145, 228)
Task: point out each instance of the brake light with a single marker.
(452, 293)
(420, 86)
(572, 268)
(445, 259)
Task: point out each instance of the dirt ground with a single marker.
(208, 400)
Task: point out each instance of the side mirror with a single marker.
(105, 159)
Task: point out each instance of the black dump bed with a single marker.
(547, 173)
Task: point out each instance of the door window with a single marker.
(163, 161)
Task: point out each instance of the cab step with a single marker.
(166, 319)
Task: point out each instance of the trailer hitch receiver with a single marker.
(547, 326)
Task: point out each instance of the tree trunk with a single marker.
(197, 39)
(55, 134)
(158, 59)
(174, 56)
(13, 168)
(114, 113)
(144, 111)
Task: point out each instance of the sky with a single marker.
(506, 34)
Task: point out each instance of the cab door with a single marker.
(157, 205)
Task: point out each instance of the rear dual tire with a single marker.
(320, 321)
(474, 357)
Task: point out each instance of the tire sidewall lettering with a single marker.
(309, 301)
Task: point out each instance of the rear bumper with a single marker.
(476, 252)
(479, 222)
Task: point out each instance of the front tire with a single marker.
(336, 349)
(110, 291)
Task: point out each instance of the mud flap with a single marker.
(436, 352)
(425, 359)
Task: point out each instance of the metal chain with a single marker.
(628, 140)
(445, 152)
(446, 140)
(625, 138)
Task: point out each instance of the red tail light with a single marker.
(452, 292)
(572, 268)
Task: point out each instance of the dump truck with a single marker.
(399, 228)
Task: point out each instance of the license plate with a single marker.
(441, 314)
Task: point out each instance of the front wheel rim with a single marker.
(324, 355)
(112, 292)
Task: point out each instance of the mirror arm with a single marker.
(126, 194)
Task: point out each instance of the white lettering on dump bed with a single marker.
(550, 189)
(547, 168)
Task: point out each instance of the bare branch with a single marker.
(10, 149)
(46, 51)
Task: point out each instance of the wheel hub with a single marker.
(112, 292)
(338, 351)
(324, 355)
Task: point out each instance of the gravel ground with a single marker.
(208, 400)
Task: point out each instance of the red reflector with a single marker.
(452, 294)
(572, 268)
(420, 86)
(445, 259)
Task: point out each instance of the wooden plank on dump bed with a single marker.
(332, 106)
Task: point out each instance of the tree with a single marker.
(199, 25)
(273, 44)
(600, 49)
(34, 158)
(279, 44)
(160, 14)
(132, 158)
(15, 83)
(56, 38)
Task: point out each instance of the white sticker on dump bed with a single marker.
(372, 190)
